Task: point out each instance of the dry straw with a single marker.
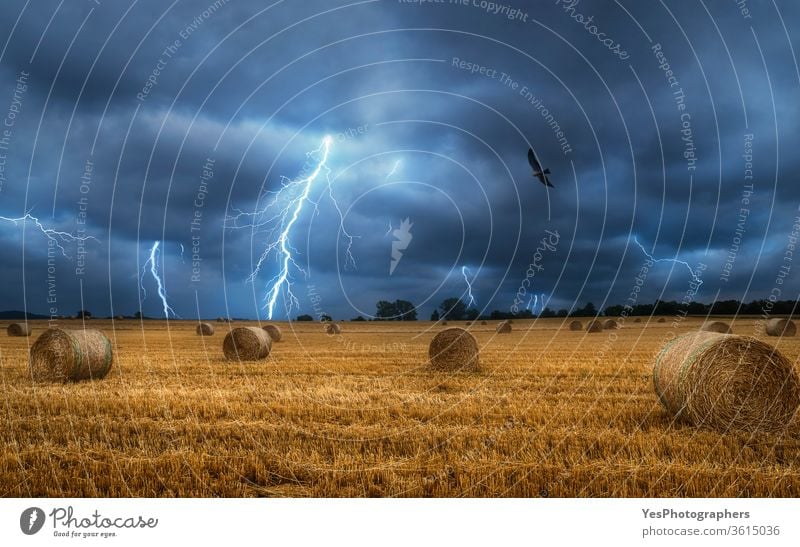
(19, 329)
(246, 344)
(610, 324)
(781, 327)
(504, 327)
(576, 325)
(594, 326)
(454, 349)
(333, 328)
(205, 329)
(61, 355)
(274, 332)
(716, 326)
(722, 381)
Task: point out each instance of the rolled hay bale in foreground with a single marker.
(716, 326)
(19, 329)
(610, 324)
(64, 355)
(723, 381)
(333, 328)
(576, 325)
(205, 329)
(247, 344)
(454, 349)
(661, 320)
(594, 326)
(504, 327)
(781, 327)
(274, 332)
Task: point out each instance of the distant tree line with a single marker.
(455, 309)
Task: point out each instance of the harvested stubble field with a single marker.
(553, 412)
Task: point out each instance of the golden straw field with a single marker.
(552, 412)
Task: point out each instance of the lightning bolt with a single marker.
(673, 260)
(152, 262)
(33, 518)
(532, 301)
(183, 250)
(394, 170)
(289, 201)
(59, 238)
(464, 272)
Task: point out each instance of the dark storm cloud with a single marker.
(252, 89)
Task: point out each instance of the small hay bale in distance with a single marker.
(205, 329)
(454, 349)
(18, 329)
(576, 325)
(778, 326)
(637, 320)
(727, 382)
(610, 324)
(274, 332)
(332, 328)
(247, 344)
(484, 322)
(70, 355)
(661, 320)
(594, 326)
(716, 326)
(444, 322)
(504, 327)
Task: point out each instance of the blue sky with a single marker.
(114, 110)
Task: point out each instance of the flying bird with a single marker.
(537, 169)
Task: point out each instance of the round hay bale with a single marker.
(246, 344)
(594, 326)
(454, 349)
(119, 318)
(610, 324)
(723, 381)
(716, 326)
(576, 325)
(220, 319)
(637, 320)
(661, 320)
(274, 332)
(504, 327)
(62, 355)
(444, 322)
(333, 328)
(484, 322)
(19, 329)
(205, 329)
(781, 327)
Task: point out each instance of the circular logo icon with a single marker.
(31, 520)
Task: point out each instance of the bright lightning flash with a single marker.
(277, 219)
(673, 260)
(58, 238)
(152, 262)
(465, 273)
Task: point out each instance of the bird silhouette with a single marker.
(537, 169)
